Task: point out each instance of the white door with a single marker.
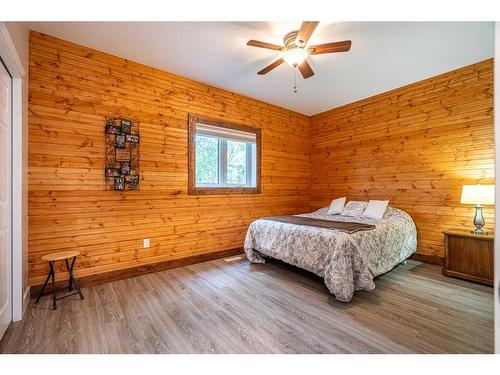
(5, 199)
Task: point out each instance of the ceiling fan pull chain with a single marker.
(295, 81)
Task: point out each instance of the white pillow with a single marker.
(336, 206)
(354, 208)
(375, 209)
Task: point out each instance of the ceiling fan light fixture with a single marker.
(294, 51)
(295, 56)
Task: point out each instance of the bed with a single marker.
(346, 261)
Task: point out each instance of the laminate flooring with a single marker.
(239, 307)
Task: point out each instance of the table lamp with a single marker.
(478, 195)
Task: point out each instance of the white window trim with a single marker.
(223, 135)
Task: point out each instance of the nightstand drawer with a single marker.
(469, 256)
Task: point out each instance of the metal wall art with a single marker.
(122, 154)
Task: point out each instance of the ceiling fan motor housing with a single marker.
(290, 38)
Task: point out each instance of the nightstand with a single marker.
(468, 256)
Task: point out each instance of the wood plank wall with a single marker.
(416, 146)
(72, 88)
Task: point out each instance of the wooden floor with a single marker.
(238, 307)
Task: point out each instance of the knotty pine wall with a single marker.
(416, 146)
(72, 88)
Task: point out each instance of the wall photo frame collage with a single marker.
(122, 154)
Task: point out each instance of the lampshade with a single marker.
(478, 194)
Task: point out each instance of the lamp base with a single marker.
(479, 221)
(479, 231)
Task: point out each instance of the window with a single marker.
(223, 158)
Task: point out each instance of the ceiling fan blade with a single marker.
(305, 69)
(256, 43)
(305, 32)
(343, 46)
(270, 67)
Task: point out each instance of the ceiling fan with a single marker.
(295, 50)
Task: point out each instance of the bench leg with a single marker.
(54, 306)
(44, 285)
(72, 278)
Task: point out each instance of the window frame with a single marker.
(219, 190)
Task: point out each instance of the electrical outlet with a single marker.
(145, 243)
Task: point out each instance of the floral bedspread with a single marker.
(347, 262)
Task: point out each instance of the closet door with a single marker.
(5, 199)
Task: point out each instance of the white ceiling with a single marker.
(383, 56)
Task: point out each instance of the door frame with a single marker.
(496, 116)
(12, 61)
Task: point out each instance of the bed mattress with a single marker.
(347, 262)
